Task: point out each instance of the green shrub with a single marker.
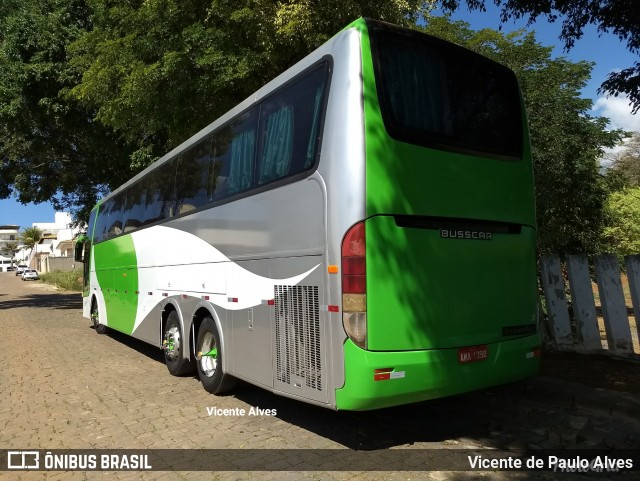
(623, 231)
(66, 280)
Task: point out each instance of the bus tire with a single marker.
(173, 347)
(210, 368)
(95, 319)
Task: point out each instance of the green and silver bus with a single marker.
(358, 233)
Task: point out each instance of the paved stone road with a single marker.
(64, 386)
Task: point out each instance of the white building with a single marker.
(57, 236)
(8, 234)
(56, 243)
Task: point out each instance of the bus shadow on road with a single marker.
(49, 301)
(142, 347)
(474, 417)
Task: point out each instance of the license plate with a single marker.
(472, 354)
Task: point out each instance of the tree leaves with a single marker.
(624, 171)
(92, 91)
(623, 230)
(31, 236)
(158, 71)
(51, 148)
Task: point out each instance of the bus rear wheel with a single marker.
(173, 346)
(209, 355)
(95, 319)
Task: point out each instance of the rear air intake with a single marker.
(297, 323)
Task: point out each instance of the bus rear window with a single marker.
(445, 97)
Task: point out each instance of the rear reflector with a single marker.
(387, 373)
(535, 353)
(382, 374)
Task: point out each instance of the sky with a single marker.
(608, 53)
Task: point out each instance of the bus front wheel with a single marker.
(95, 319)
(209, 356)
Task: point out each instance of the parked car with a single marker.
(11, 268)
(20, 269)
(30, 274)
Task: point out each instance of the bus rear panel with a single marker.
(439, 292)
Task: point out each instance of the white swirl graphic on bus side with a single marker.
(189, 265)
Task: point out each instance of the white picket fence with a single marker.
(578, 328)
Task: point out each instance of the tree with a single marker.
(30, 237)
(158, 71)
(93, 91)
(566, 142)
(624, 171)
(623, 232)
(51, 148)
(621, 17)
(10, 249)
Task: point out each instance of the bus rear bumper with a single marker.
(380, 379)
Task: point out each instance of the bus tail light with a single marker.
(354, 285)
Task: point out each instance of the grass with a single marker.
(65, 280)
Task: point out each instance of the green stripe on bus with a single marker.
(117, 274)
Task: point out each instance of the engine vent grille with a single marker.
(298, 336)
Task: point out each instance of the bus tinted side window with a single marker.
(100, 229)
(87, 249)
(289, 127)
(235, 147)
(110, 218)
(224, 163)
(134, 216)
(116, 213)
(159, 197)
(192, 178)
